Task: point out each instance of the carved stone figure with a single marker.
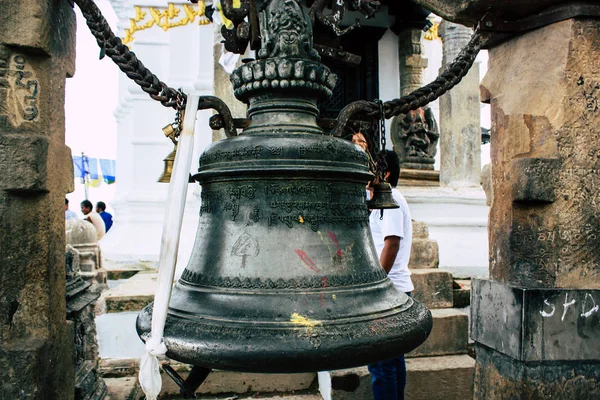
(415, 136)
(82, 236)
(80, 311)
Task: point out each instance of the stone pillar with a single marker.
(412, 61)
(460, 131)
(37, 42)
(415, 135)
(181, 57)
(536, 322)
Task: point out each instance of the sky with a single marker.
(91, 99)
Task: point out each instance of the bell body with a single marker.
(284, 276)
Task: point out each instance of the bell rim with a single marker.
(301, 349)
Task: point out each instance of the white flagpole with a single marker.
(149, 375)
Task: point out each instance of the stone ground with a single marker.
(127, 389)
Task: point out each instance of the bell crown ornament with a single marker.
(284, 276)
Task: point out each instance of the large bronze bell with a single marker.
(284, 276)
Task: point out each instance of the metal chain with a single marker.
(126, 59)
(380, 142)
(452, 75)
(382, 135)
(443, 83)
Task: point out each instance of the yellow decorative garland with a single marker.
(166, 18)
(432, 33)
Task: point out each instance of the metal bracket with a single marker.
(504, 30)
(188, 386)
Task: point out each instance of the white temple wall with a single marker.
(181, 57)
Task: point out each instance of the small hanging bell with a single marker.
(169, 160)
(382, 198)
(165, 177)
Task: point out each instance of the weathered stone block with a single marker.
(346, 384)
(536, 324)
(444, 378)
(23, 161)
(433, 287)
(535, 179)
(462, 293)
(448, 336)
(24, 363)
(500, 377)
(424, 253)
(36, 52)
(132, 295)
(123, 388)
(545, 156)
(420, 230)
(440, 378)
(42, 26)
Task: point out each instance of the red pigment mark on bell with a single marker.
(322, 294)
(306, 259)
(335, 242)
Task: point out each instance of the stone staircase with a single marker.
(439, 369)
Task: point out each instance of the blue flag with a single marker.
(79, 167)
(108, 168)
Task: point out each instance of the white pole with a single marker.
(149, 375)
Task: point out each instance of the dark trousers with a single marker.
(388, 378)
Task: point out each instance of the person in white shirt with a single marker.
(392, 236)
(87, 208)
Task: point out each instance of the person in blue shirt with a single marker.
(106, 217)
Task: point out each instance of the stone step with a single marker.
(424, 253)
(131, 294)
(449, 335)
(433, 287)
(439, 378)
(218, 382)
(420, 230)
(128, 389)
(122, 388)
(462, 293)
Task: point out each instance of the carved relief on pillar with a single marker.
(415, 136)
(20, 88)
(412, 62)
